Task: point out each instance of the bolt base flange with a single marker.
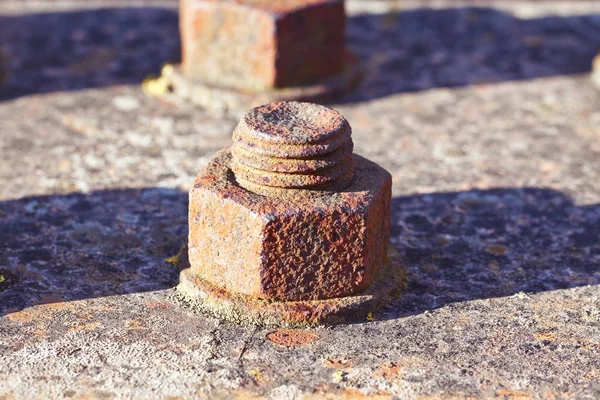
(220, 99)
(389, 282)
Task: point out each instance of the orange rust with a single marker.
(299, 245)
(389, 371)
(292, 145)
(241, 308)
(326, 393)
(512, 394)
(337, 362)
(292, 338)
(134, 325)
(162, 305)
(247, 395)
(282, 243)
(258, 44)
(497, 250)
(44, 311)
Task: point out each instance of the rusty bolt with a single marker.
(261, 44)
(292, 145)
(288, 212)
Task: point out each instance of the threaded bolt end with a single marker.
(293, 145)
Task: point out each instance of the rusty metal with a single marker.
(293, 145)
(237, 54)
(250, 44)
(289, 214)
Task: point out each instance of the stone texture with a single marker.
(495, 208)
(257, 44)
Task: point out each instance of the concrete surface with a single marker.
(496, 211)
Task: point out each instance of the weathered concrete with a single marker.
(495, 209)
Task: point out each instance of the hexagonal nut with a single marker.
(307, 246)
(258, 44)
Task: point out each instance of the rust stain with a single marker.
(497, 250)
(563, 395)
(134, 325)
(23, 316)
(85, 327)
(246, 395)
(446, 397)
(40, 312)
(87, 396)
(351, 393)
(389, 371)
(161, 305)
(337, 362)
(545, 335)
(41, 333)
(347, 394)
(292, 338)
(512, 394)
(236, 394)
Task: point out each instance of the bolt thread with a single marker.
(293, 145)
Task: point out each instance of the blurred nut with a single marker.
(258, 44)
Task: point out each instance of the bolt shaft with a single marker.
(293, 145)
